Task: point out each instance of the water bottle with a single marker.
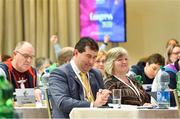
(163, 93)
(45, 84)
(178, 82)
(45, 78)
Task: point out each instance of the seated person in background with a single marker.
(99, 63)
(116, 66)
(171, 42)
(41, 64)
(65, 55)
(148, 68)
(172, 54)
(18, 68)
(5, 57)
(57, 47)
(76, 84)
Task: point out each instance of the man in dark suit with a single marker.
(66, 84)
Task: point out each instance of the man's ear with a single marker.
(14, 53)
(75, 52)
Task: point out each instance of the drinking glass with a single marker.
(116, 95)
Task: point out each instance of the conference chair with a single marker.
(177, 99)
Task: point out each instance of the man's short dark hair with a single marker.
(86, 41)
(156, 59)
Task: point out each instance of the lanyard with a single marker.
(132, 87)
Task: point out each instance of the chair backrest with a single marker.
(48, 99)
(177, 99)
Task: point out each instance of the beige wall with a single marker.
(150, 23)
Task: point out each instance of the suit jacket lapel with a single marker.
(73, 76)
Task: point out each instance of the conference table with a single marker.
(35, 111)
(124, 113)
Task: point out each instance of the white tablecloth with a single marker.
(32, 111)
(124, 113)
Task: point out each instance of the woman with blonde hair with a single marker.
(116, 66)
